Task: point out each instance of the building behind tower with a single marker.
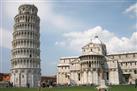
(25, 60)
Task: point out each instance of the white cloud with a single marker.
(6, 37)
(132, 10)
(10, 8)
(134, 26)
(75, 40)
(45, 11)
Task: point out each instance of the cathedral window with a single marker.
(22, 76)
(66, 75)
(126, 63)
(130, 63)
(107, 75)
(94, 69)
(135, 71)
(120, 56)
(89, 64)
(79, 76)
(125, 70)
(130, 70)
(126, 55)
(133, 55)
(15, 63)
(30, 55)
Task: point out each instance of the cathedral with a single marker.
(85, 69)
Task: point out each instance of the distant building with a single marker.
(48, 79)
(25, 61)
(85, 69)
(4, 76)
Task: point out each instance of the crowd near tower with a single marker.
(25, 60)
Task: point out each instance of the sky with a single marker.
(67, 25)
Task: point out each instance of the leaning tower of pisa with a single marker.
(25, 61)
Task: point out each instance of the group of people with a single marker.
(46, 84)
(10, 84)
(49, 84)
(42, 84)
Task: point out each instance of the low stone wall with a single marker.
(3, 84)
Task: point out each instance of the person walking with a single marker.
(28, 85)
(39, 85)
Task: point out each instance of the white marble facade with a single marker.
(25, 60)
(85, 69)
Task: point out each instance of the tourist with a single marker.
(28, 85)
(39, 85)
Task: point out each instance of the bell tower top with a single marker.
(96, 40)
(28, 9)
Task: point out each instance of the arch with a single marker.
(28, 26)
(27, 51)
(21, 50)
(24, 42)
(18, 51)
(22, 33)
(24, 51)
(28, 18)
(25, 25)
(17, 33)
(31, 18)
(21, 42)
(27, 41)
(25, 33)
(23, 18)
(30, 51)
(17, 19)
(18, 42)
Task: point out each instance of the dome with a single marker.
(96, 40)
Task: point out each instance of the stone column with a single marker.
(85, 77)
(90, 77)
(81, 77)
(32, 79)
(19, 79)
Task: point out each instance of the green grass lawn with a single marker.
(82, 88)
